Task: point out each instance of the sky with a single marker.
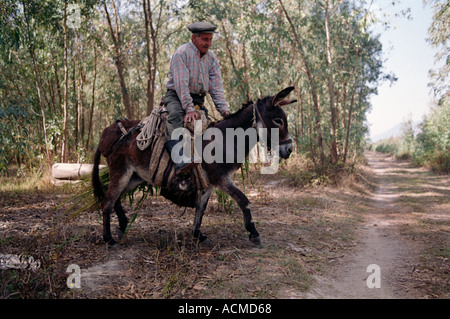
(410, 58)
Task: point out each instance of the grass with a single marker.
(23, 184)
(302, 229)
(173, 265)
(424, 199)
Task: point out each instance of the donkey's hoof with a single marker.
(206, 242)
(202, 240)
(119, 234)
(111, 243)
(255, 240)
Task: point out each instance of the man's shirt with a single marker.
(191, 74)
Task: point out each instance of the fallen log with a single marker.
(72, 171)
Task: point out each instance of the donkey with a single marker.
(128, 166)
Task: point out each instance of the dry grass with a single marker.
(304, 230)
(427, 197)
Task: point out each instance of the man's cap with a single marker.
(202, 27)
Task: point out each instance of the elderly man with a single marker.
(194, 71)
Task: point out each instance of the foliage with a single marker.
(430, 146)
(438, 37)
(389, 146)
(433, 141)
(224, 201)
(74, 80)
(14, 141)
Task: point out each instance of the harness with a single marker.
(125, 134)
(256, 113)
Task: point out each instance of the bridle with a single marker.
(256, 113)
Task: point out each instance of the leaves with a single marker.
(256, 46)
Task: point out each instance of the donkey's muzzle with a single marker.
(286, 149)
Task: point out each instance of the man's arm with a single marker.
(216, 89)
(180, 74)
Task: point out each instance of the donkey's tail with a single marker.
(96, 182)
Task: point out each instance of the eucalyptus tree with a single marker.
(438, 37)
(76, 80)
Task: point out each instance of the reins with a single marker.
(254, 124)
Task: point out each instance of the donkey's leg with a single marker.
(123, 220)
(117, 184)
(106, 212)
(121, 213)
(228, 186)
(199, 211)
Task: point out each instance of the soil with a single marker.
(317, 242)
(379, 243)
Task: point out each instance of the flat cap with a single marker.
(202, 27)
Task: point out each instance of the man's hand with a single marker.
(225, 114)
(191, 116)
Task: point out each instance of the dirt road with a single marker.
(404, 201)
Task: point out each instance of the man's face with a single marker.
(203, 42)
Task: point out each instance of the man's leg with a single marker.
(175, 120)
(175, 113)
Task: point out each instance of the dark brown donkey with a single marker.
(128, 166)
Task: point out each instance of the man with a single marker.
(194, 71)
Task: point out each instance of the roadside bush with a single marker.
(430, 146)
(433, 141)
(389, 146)
(440, 163)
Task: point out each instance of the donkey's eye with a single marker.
(278, 122)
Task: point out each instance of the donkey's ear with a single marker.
(286, 102)
(281, 96)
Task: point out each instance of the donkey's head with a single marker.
(272, 116)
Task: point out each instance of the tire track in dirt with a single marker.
(379, 243)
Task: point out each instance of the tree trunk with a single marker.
(91, 115)
(349, 123)
(41, 104)
(311, 83)
(333, 146)
(58, 86)
(115, 35)
(296, 124)
(245, 74)
(65, 143)
(80, 96)
(38, 89)
(147, 21)
(154, 35)
(302, 123)
(75, 95)
(81, 102)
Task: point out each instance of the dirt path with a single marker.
(380, 240)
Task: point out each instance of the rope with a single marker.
(149, 130)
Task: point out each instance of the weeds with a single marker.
(224, 201)
(300, 172)
(301, 231)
